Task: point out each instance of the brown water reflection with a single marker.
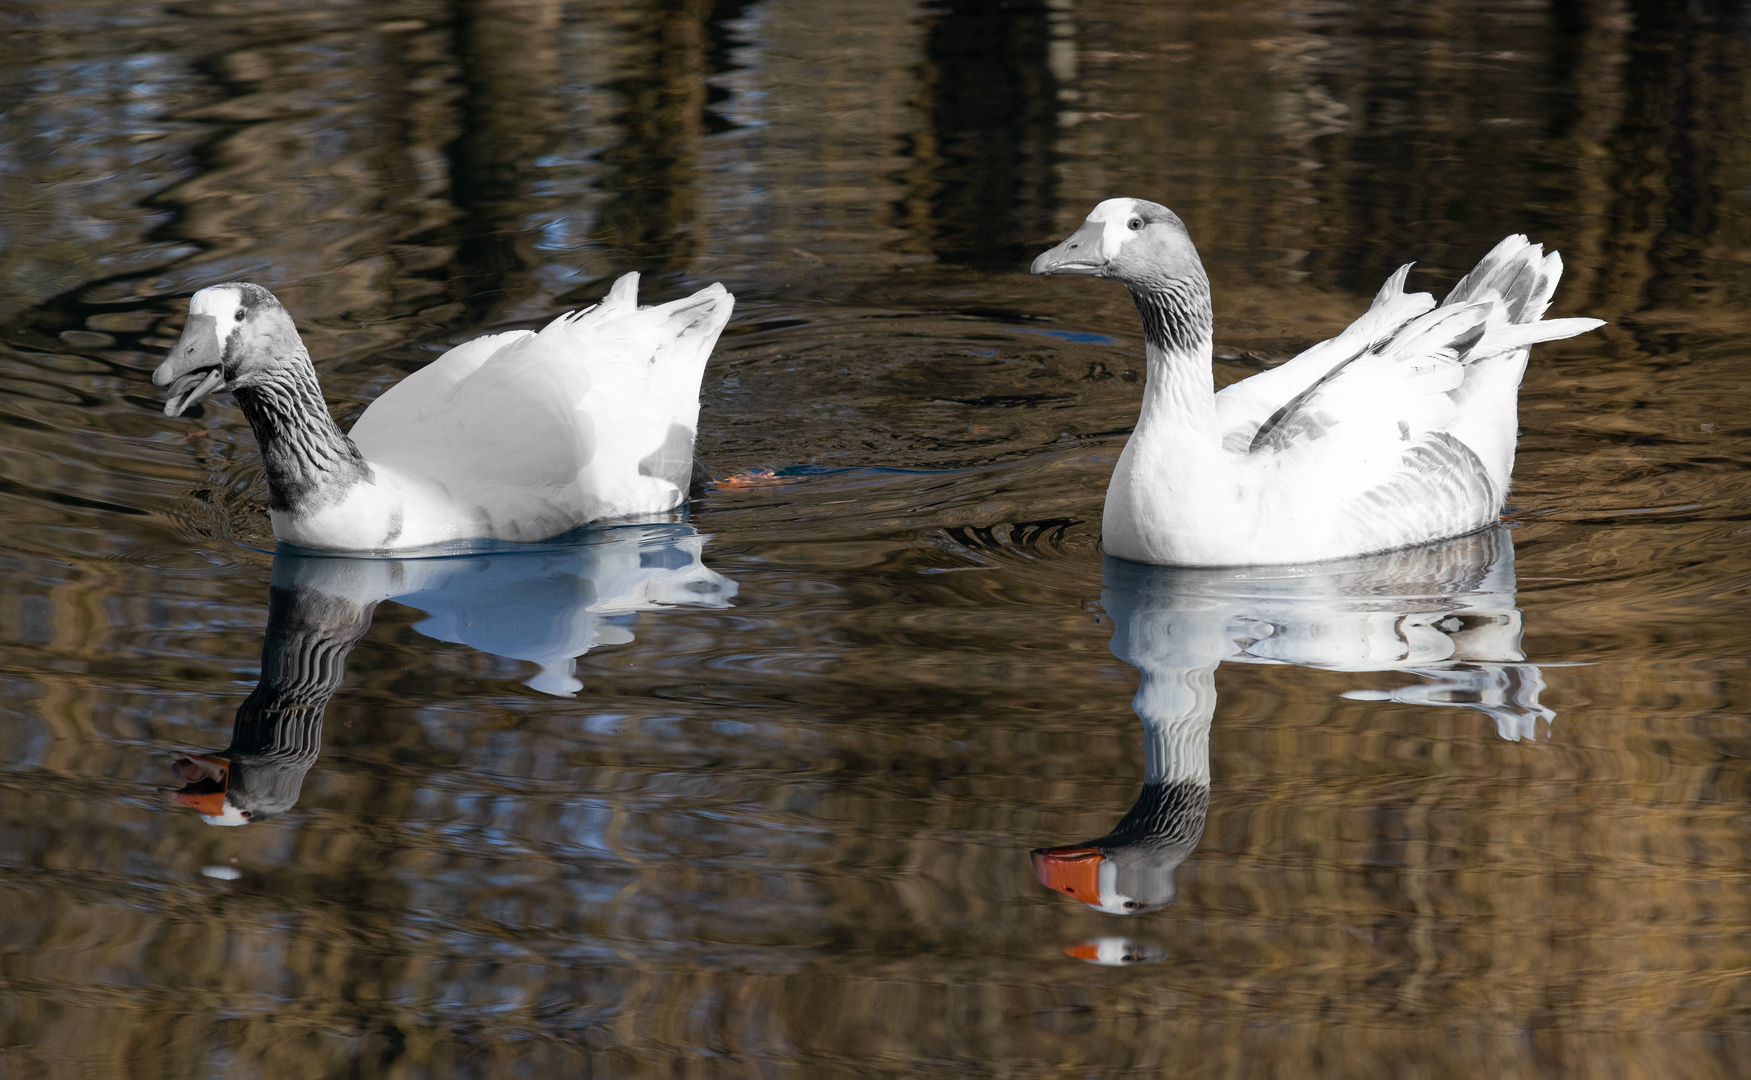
(790, 836)
(545, 604)
(1444, 612)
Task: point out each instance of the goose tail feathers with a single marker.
(687, 330)
(1522, 335)
(700, 315)
(703, 314)
(1520, 273)
(1479, 330)
(1391, 309)
(1508, 292)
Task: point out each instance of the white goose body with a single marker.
(1397, 432)
(513, 436)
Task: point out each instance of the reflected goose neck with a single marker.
(303, 663)
(1165, 815)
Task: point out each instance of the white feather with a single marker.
(523, 435)
(1398, 431)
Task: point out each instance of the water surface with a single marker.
(753, 792)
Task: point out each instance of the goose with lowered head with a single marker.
(1397, 432)
(513, 436)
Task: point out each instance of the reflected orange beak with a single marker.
(1088, 950)
(210, 803)
(1073, 871)
(202, 789)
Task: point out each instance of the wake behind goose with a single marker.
(1398, 431)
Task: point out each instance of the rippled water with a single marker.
(777, 788)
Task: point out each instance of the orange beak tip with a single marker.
(1116, 951)
(1073, 871)
(210, 803)
(751, 478)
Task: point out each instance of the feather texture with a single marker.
(1398, 431)
(511, 436)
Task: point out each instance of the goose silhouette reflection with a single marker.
(548, 605)
(1445, 612)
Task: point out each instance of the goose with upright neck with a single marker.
(1397, 432)
(513, 436)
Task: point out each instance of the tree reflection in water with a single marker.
(1444, 611)
(548, 606)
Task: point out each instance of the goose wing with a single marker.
(1243, 407)
(1413, 394)
(591, 408)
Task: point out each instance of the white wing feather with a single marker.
(582, 421)
(1409, 371)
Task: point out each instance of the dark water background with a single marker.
(782, 828)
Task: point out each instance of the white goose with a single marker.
(1397, 432)
(513, 436)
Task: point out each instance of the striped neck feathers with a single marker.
(303, 662)
(309, 460)
(1176, 331)
(1176, 316)
(278, 731)
(1167, 817)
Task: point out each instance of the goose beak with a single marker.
(1073, 871)
(1116, 951)
(206, 803)
(195, 367)
(205, 781)
(1081, 254)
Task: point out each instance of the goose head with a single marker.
(1117, 880)
(206, 788)
(235, 337)
(205, 785)
(1132, 870)
(1116, 951)
(242, 789)
(1138, 243)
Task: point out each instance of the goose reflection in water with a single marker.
(1443, 611)
(549, 606)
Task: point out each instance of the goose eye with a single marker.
(1135, 224)
(1130, 904)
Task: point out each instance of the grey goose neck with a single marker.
(303, 663)
(304, 451)
(1176, 314)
